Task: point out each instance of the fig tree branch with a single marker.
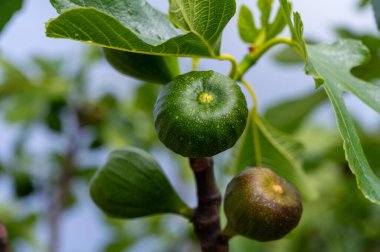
(206, 216)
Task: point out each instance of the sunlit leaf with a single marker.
(246, 25)
(277, 26)
(134, 25)
(295, 26)
(265, 7)
(370, 69)
(330, 65)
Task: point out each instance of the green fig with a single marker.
(151, 68)
(261, 205)
(132, 184)
(200, 114)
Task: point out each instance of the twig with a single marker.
(206, 216)
(60, 197)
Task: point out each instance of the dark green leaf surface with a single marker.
(132, 184)
(152, 68)
(135, 26)
(330, 65)
(289, 115)
(7, 9)
(376, 9)
(246, 25)
(276, 150)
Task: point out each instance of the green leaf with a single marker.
(265, 7)
(277, 26)
(370, 69)
(367, 180)
(272, 149)
(7, 9)
(289, 115)
(135, 26)
(246, 25)
(376, 9)
(330, 65)
(295, 26)
(132, 184)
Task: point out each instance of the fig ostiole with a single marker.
(200, 114)
(261, 205)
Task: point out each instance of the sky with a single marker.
(25, 36)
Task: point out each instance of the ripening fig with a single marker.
(261, 205)
(200, 114)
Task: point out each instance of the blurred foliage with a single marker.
(340, 220)
(49, 99)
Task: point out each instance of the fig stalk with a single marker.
(206, 217)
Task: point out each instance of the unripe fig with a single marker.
(200, 114)
(261, 205)
(153, 68)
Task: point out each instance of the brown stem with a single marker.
(4, 245)
(206, 216)
(60, 197)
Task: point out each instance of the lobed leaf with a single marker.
(135, 26)
(330, 65)
(370, 69)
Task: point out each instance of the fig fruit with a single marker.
(152, 68)
(200, 114)
(132, 184)
(261, 205)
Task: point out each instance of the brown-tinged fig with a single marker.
(261, 205)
